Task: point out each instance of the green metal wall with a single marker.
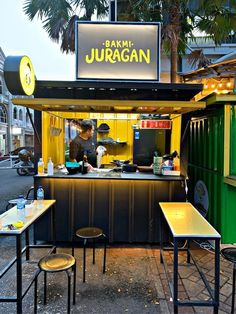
(233, 140)
(206, 161)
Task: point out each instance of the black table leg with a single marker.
(217, 274)
(188, 254)
(18, 274)
(175, 275)
(27, 244)
(161, 236)
(233, 289)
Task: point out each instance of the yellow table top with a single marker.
(10, 216)
(185, 220)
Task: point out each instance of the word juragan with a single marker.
(123, 52)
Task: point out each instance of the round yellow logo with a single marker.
(27, 76)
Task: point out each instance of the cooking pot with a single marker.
(119, 163)
(129, 167)
(73, 167)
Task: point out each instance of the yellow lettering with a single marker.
(113, 44)
(134, 56)
(116, 56)
(107, 43)
(124, 55)
(145, 56)
(118, 44)
(125, 44)
(91, 58)
(97, 57)
(108, 55)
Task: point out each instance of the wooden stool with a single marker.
(229, 254)
(93, 234)
(54, 263)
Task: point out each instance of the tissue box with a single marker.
(166, 172)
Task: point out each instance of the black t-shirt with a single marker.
(80, 147)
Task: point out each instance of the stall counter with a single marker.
(124, 205)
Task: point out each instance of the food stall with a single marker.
(124, 205)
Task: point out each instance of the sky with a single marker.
(19, 36)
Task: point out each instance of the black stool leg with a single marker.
(69, 284)
(105, 253)
(73, 248)
(45, 288)
(84, 262)
(233, 290)
(35, 291)
(74, 291)
(93, 251)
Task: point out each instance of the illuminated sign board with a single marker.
(155, 124)
(118, 51)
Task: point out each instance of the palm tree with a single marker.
(59, 16)
(180, 18)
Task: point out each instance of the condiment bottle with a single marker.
(40, 166)
(50, 167)
(85, 165)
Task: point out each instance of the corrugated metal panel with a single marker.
(206, 142)
(206, 161)
(228, 214)
(213, 182)
(232, 141)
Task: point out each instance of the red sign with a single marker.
(155, 124)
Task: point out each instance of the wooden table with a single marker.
(7, 218)
(186, 223)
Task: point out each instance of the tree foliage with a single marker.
(183, 19)
(58, 17)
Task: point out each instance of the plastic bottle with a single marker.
(155, 169)
(40, 195)
(176, 163)
(85, 165)
(50, 167)
(40, 166)
(157, 162)
(21, 208)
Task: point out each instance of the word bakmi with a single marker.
(116, 55)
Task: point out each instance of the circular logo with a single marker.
(201, 201)
(19, 75)
(27, 76)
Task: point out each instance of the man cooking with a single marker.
(83, 143)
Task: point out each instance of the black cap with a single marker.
(103, 128)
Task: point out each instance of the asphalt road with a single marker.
(11, 185)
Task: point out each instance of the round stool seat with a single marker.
(229, 253)
(56, 262)
(13, 201)
(89, 233)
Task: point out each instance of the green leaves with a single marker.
(58, 17)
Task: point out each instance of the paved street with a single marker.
(11, 185)
(135, 282)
